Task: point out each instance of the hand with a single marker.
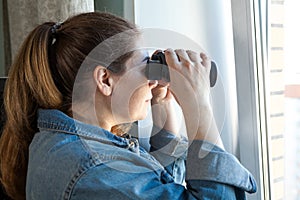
(161, 94)
(163, 114)
(189, 73)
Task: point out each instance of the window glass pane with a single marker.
(200, 22)
(284, 98)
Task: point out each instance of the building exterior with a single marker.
(284, 100)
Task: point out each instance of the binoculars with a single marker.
(157, 69)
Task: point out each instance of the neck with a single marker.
(89, 115)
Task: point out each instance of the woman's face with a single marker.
(132, 93)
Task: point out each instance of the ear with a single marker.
(103, 79)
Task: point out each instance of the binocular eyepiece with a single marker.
(157, 69)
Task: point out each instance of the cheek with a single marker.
(138, 102)
(132, 85)
(140, 95)
(129, 100)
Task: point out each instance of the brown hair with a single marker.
(42, 76)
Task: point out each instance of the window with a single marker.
(266, 43)
(276, 115)
(202, 22)
(284, 98)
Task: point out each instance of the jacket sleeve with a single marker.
(211, 174)
(209, 164)
(171, 151)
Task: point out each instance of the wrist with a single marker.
(201, 125)
(165, 116)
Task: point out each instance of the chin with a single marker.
(140, 116)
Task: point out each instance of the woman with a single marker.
(72, 91)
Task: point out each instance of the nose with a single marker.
(153, 83)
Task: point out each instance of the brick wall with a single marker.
(276, 99)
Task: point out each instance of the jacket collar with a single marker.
(55, 120)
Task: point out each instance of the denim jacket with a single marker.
(72, 160)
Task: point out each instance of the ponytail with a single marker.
(30, 86)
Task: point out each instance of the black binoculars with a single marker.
(157, 69)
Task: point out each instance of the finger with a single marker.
(182, 56)
(171, 58)
(194, 57)
(160, 88)
(169, 95)
(205, 60)
(163, 83)
(162, 95)
(157, 51)
(159, 93)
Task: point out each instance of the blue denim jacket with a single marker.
(72, 160)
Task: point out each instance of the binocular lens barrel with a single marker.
(157, 69)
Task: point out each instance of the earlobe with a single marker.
(103, 79)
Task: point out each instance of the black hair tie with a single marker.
(54, 29)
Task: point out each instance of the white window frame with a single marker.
(249, 22)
